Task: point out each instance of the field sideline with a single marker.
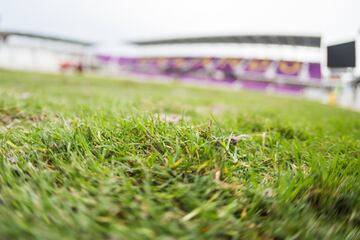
(97, 158)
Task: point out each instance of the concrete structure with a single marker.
(35, 52)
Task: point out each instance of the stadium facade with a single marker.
(37, 52)
(280, 64)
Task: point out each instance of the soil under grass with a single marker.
(96, 158)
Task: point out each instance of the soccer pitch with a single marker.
(98, 158)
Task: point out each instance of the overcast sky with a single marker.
(115, 20)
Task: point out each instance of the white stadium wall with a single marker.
(38, 55)
(27, 58)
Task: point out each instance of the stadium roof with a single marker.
(4, 35)
(304, 41)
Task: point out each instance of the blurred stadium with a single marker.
(279, 64)
(179, 119)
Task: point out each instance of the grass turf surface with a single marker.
(89, 158)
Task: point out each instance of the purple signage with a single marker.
(315, 71)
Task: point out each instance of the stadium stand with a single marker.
(258, 74)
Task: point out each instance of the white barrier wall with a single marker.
(26, 58)
(38, 55)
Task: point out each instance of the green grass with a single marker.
(92, 158)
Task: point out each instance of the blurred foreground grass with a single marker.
(90, 158)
